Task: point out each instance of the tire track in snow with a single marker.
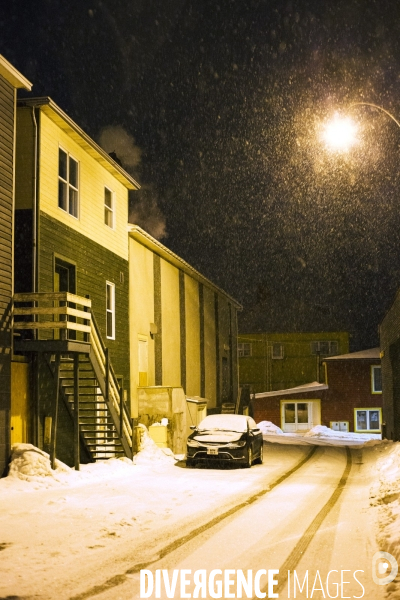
(122, 577)
(307, 537)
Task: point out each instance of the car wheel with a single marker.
(261, 457)
(249, 458)
(189, 463)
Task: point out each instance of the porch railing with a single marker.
(56, 312)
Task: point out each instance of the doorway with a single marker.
(64, 281)
(296, 416)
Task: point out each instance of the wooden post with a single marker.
(107, 376)
(55, 414)
(121, 413)
(76, 413)
(134, 437)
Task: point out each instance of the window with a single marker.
(109, 208)
(244, 349)
(110, 310)
(277, 351)
(68, 183)
(325, 348)
(367, 420)
(376, 379)
(143, 360)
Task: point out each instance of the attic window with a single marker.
(325, 348)
(68, 183)
(277, 351)
(109, 208)
(376, 379)
(244, 349)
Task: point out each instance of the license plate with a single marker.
(213, 451)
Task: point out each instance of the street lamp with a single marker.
(340, 133)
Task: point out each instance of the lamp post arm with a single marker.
(377, 107)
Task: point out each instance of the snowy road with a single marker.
(90, 540)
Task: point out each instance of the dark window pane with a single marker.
(62, 164)
(302, 412)
(107, 198)
(377, 379)
(62, 194)
(109, 324)
(362, 419)
(290, 413)
(374, 419)
(73, 202)
(73, 172)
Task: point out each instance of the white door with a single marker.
(296, 416)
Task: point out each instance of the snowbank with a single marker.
(386, 495)
(269, 428)
(32, 464)
(320, 435)
(149, 452)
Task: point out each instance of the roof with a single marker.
(371, 353)
(151, 243)
(300, 389)
(13, 76)
(58, 116)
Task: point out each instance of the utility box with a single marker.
(339, 426)
(196, 411)
(158, 402)
(159, 435)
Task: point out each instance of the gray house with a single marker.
(10, 81)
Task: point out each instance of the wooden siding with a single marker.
(171, 364)
(95, 265)
(141, 313)
(192, 337)
(7, 104)
(210, 351)
(93, 177)
(25, 159)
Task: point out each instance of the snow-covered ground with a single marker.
(320, 435)
(60, 529)
(386, 495)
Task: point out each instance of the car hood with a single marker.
(222, 437)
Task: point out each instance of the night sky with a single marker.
(224, 101)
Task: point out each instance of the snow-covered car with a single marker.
(222, 438)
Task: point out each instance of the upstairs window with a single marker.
(110, 310)
(325, 348)
(376, 379)
(244, 349)
(68, 183)
(277, 351)
(109, 213)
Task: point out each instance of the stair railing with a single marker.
(114, 392)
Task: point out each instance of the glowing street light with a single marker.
(340, 134)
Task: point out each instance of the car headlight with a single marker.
(236, 444)
(193, 443)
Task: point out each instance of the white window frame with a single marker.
(277, 355)
(109, 209)
(68, 184)
(368, 410)
(244, 349)
(110, 310)
(373, 390)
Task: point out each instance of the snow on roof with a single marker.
(307, 387)
(371, 353)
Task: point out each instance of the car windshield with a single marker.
(236, 423)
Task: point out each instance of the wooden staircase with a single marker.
(82, 372)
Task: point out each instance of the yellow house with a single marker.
(278, 361)
(183, 328)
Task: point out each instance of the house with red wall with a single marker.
(349, 400)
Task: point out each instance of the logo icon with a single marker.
(384, 568)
